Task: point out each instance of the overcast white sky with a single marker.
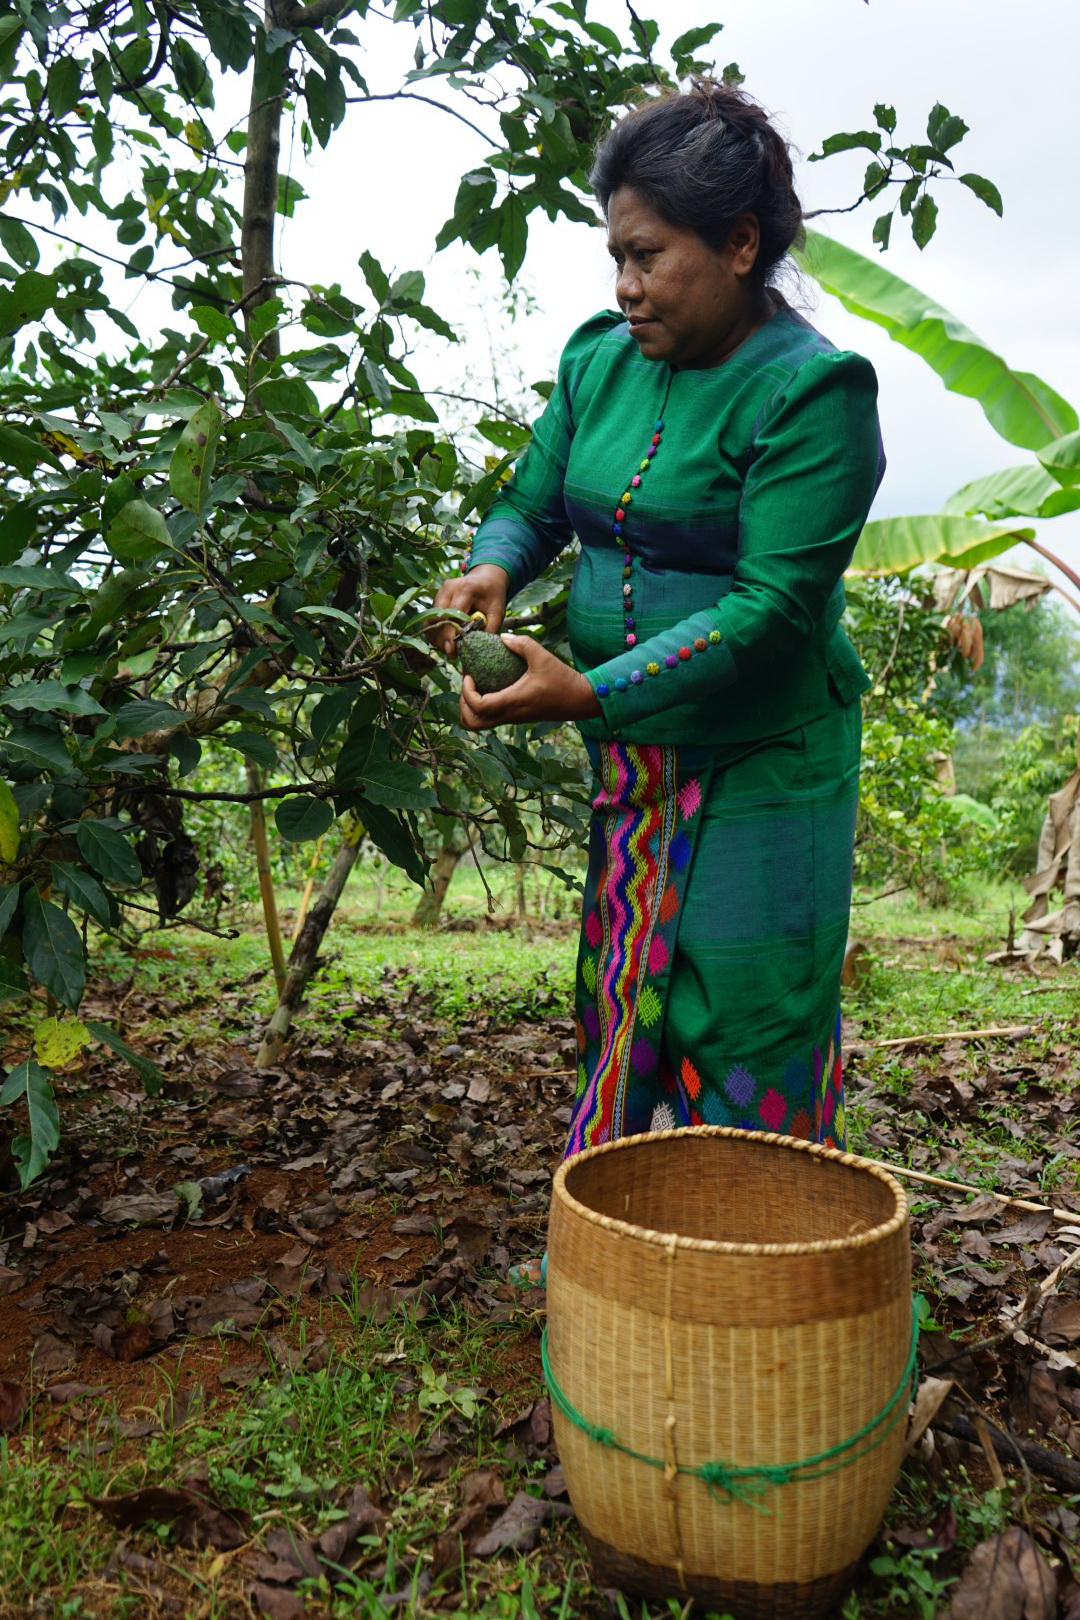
(1011, 71)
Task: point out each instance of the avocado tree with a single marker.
(231, 525)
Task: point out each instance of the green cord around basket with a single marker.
(733, 1484)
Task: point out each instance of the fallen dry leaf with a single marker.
(13, 1402)
(517, 1529)
(1007, 1579)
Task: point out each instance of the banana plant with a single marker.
(979, 520)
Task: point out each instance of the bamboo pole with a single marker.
(1070, 1216)
(305, 898)
(266, 881)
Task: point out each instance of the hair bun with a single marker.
(676, 150)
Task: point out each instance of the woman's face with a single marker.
(687, 303)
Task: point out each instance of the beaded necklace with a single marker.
(701, 643)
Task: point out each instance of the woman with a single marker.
(716, 457)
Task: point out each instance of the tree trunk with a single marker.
(266, 880)
(268, 88)
(304, 952)
(429, 910)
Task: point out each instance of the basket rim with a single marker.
(646, 1234)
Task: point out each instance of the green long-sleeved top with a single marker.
(709, 610)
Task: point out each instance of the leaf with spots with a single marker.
(192, 467)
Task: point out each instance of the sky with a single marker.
(1011, 71)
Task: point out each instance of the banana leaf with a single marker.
(1021, 407)
(1062, 459)
(897, 545)
(1015, 492)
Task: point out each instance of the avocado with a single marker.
(489, 660)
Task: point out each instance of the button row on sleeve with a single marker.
(671, 661)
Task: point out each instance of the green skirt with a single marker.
(713, 932)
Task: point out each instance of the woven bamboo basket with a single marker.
(730, 1352)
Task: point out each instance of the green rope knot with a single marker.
(748, 1485)
(740, 1484)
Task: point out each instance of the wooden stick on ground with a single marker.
(1011, 1032)
(1070, 1216)
(1063, 1471)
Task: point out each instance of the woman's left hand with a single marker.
(548, 690)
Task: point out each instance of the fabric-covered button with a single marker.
(671, 660)
(650, 452)
(700, 644)
(631, 640)
(603, 690)
(715, 636)
(627, 498)
(620, 684)
(616, 528)
(619, 515)
(684, 653)
(652, 669)
(660, 425)
(636, 677)
(643, 467)
(628, 621)
(635, 481)
(628, 590)
(656, 438)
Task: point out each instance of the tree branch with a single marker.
(414, 95)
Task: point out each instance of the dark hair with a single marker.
(701, 158)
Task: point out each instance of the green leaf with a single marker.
(27, 299)
(924, 220)
(300, 818)
(33, 577)
(13, 981)
(289, 193)
(108, 852)
(375, 375)
(137, 532)
(1062, 460)
(85, 892)
(9, 825)
(142, 715)
(1027, 491)
(53, 949)
(264, 318)
(50, 696)
(985, 190)
(390, 833)
(944, 129)
(885, 116)
(62, 88)
(375, 276)
(33, 1083)
(191, 469)
(513, 234)
(408, 288)
(33, 745)
(896, 545)
(57, 1041)
(507, 435)
(870, 139)
(213, 322)
(1022, 408)
(691, 41)
(20, 451)
(883, 230)
(9, 899)
(254, 746)
(148, 1072)
(19, 242)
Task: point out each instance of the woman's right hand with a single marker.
(482, 590)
